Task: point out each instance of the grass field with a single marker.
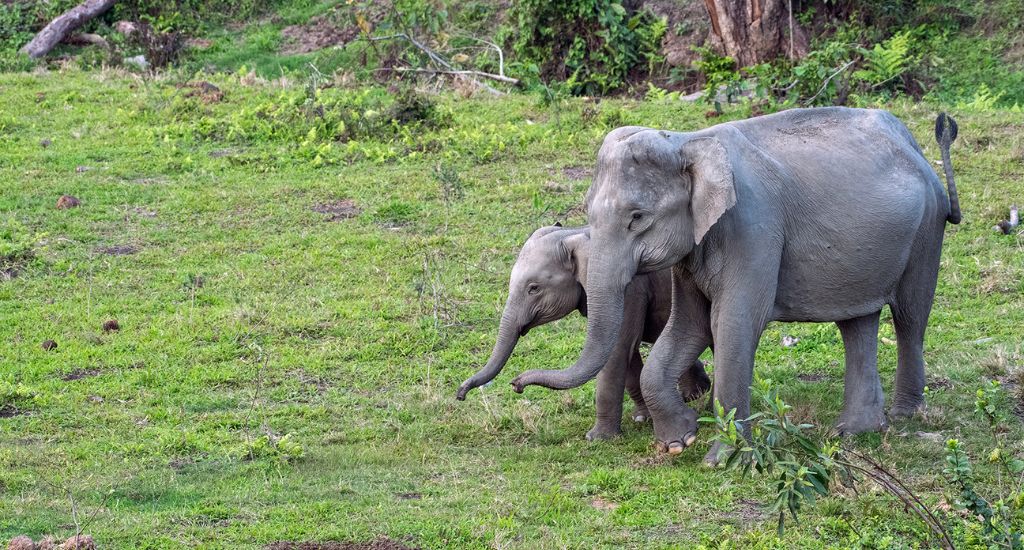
(296, 313)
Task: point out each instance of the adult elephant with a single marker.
(805, 215)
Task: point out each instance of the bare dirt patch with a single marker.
(203, 91)
(10, 411)
(749, 511)
(603, 504)
(118, 250)
(338, 210)
(576, 173)
(382, 543)
(319, 33)
(79, 374)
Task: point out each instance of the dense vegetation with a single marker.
(305, 255)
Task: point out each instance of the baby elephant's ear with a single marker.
(571, 252)
(713, 192)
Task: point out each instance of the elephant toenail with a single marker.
(675, 448)
(689, 439)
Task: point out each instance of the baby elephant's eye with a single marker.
(533, 288)
(637, 215)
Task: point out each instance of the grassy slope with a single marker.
(352, 336)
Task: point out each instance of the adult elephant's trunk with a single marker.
(508, 336)
(604, 321)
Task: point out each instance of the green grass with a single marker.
(244, 312)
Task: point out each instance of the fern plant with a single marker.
(887, 61)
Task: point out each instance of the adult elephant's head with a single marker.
(655, 196)
(544, 287)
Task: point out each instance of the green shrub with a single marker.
(594, 46)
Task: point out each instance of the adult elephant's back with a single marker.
(849, 195)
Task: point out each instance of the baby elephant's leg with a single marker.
(640, 413)
(694, 382)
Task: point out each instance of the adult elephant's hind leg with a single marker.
(910, 312)
(863, 402)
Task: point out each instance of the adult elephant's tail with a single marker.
(945, 133)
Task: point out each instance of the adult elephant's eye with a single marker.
(533, 288)
(637, 216)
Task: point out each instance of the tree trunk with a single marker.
(52, 34)
(755, 31)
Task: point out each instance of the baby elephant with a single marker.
(547, 283)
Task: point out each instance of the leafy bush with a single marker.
(803, 464)
(999, 516)
(806, 464)
(592, 45)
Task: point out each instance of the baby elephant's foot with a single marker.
(862, 421)
(676, 433)
(718, 453)
(640, 414)
(603, 431)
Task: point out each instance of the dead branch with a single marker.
(87, 39)
(436, 58)
(53, 33)
(501, 55)
(481, 74)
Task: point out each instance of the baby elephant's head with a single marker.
(545, 282)
(544, 287)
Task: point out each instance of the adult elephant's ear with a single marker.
(713, 191)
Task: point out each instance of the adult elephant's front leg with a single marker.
(611, 382)
(684, 338)
(737, 320)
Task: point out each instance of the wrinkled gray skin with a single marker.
(547, 283)
(806, 215)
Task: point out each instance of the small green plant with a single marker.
(448, 179)
(984, 99)
(655, 93)
(719, 74)
(999, 516)
(396, 213)
(886, 61)
(806, 464)
(17, 247)
(15, 397)
(284, 448)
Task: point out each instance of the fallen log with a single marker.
(53, 33)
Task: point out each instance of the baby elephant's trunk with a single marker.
(508, 336)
